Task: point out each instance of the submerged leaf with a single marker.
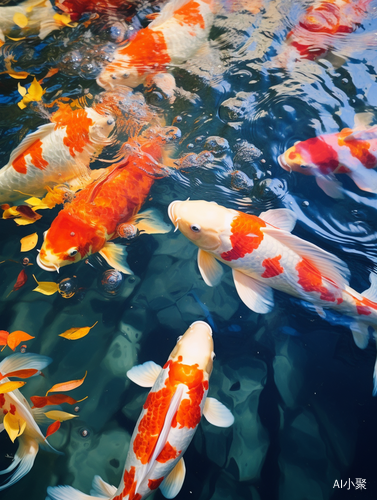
(54, 399)
(20, 19)
(10, 386)
(60, 416)
(55, 426)
(15, 338)
(28, 372)
(3, 337)
(67, 386)
(65, 19)
(46, 287)
(14, 425)
(77, 333)
(29, 242)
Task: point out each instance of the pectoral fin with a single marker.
(172, 484)
(331, 186)
(146, 374)
(217, 414)
(209, 268)
(102, 489)
(116, 256)
(360, 334)
(150, 222)
(365, 179)
(255, 295)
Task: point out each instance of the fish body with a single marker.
(21, 416)
(314, 35)
(167, 423)
(77, 7)
(172, 38)
(264, 255)
(58, 152)
(85, 225)
(351, 152)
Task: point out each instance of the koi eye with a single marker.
(72, 252)
(179, 338)
(110, 121)
(196, 228)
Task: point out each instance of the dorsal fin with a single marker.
(27, 141)
(167, 12)
(280, 217)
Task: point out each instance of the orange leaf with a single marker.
(21, 373)
(3, 337)
(15, 338)
(55, 426)
(77, 333)
(54, 399)
(67, 386)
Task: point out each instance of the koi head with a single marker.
(68, 240)
(206, 224)
(298, 160)
(119, 73)
(102, 127)
(195, 347)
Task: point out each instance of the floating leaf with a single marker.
(16, 39)
(14, 425)
(20, 19)
(29, 242)
(65, 19)
(21, 89)
(10, 386)
(21, 280)
(46, 287)
(3, 337)
(34, 93)
(67, 386)
(29, 372)
(53, 428)
(15, 338)
(18, 75)
(60, 416)
(77, 333)
(53, 399)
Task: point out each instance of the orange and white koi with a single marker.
(58, 152)
(177, 33)
(86, 225)
(347, 152)
(167, 423)
(314, 35)
(264, 255)
(16, 416)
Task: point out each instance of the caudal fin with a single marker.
(67, 493)
(22, 462)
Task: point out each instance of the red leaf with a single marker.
(53, 399)
(55, 426)
(21, 280)
(3, 337)
(22, 373)
(26, 211)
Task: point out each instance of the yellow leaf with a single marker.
(19, 75)
(35, 90)
(38, 3)
(20, 19)
(21, 105)
(60, 416)
(23, 221)
(33, 200)
(65, 19)
(14, 425)
(21, 89)
(10, 386)
(46, 287)
(77, 333)
(16, 39)
(29, 242)
(10, 213)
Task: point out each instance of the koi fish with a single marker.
(29, 17)
(77, 7)
(347, 152)
(87, 224)
(176, 33)
(314, 35)
(58, 152)
(264, 255)
(167, 423)
(16, 416)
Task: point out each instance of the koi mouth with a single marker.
(283, 163)
(46, 268)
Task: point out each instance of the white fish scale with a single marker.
(183, 40)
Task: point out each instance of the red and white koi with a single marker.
(176, 33)
(87, 224)
(167, 423)
(351, 152)
(58, 152)
(264, 255)
(16, 416)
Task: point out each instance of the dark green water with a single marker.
(300, 390)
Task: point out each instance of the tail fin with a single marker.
(371, 292)
(101, 488)
(19, 361)
(67, 493)
(23, 460)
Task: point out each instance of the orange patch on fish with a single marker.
(35, 151)
(359, 149)
(246, 236)
(77, 126)
(2, 400)
(168, 452)
(273, 267)
(129, 486)
(190, 15)
(310, 279)
(153, 484)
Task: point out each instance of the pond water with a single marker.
(299, 388)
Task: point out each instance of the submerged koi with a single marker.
(347, 152)
(57, 152)
(86, 225)
(177, 32)
(314, 35)
(167, 423)
(264, 255)
(16, 416)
